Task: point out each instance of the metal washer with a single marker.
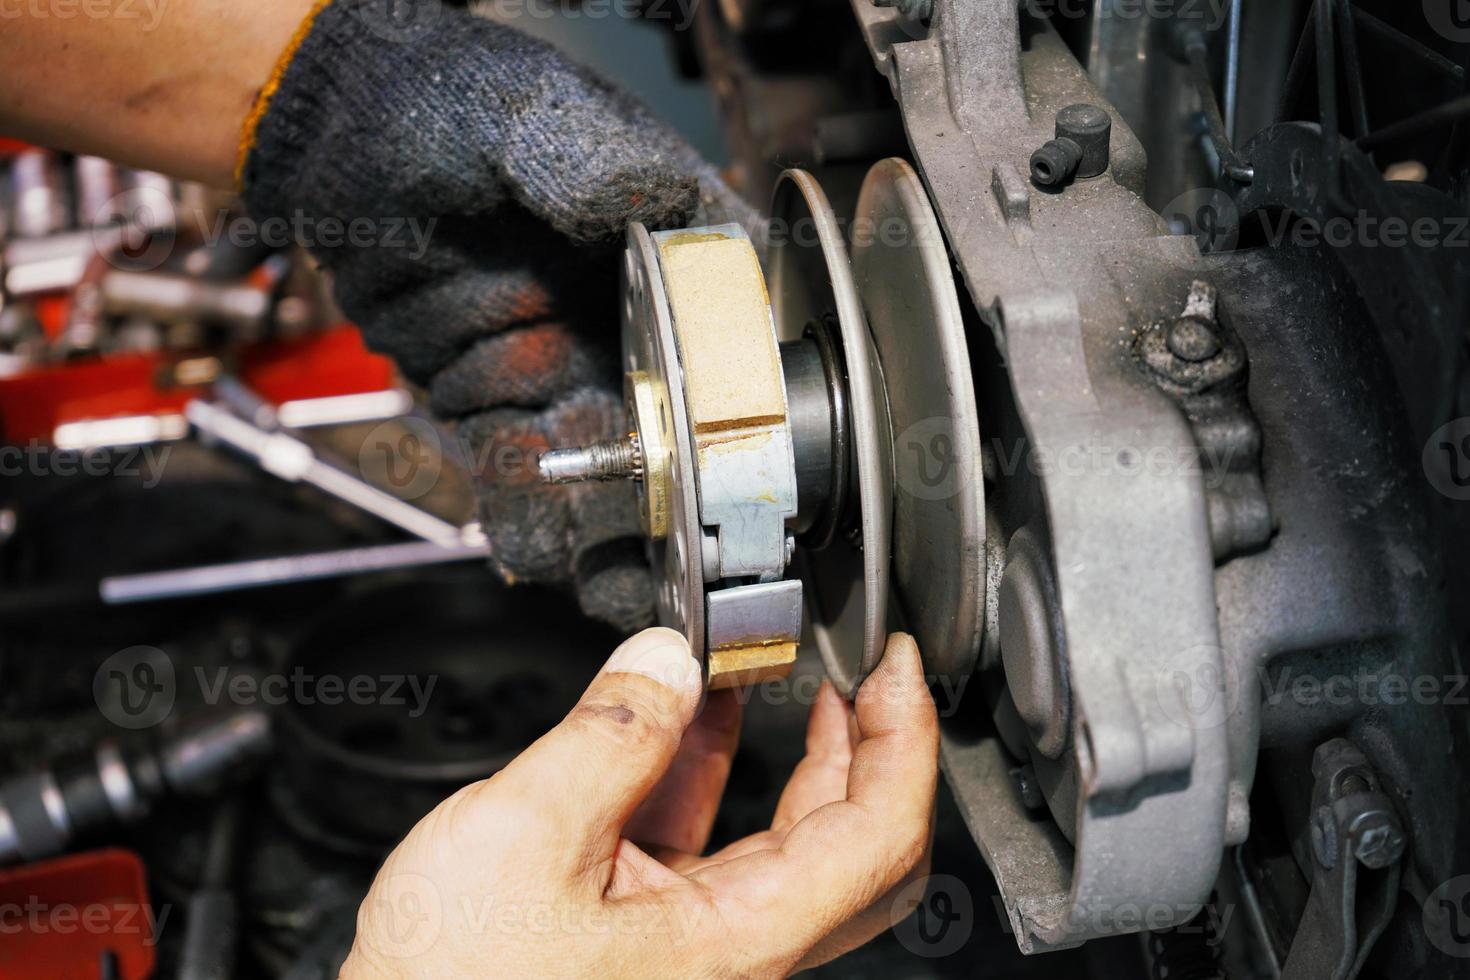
(847, 582)
(650, 346)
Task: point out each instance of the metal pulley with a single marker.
(761, 436)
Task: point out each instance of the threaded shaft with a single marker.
(619, 459)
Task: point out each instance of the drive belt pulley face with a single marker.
(903, 275)
(845, 557)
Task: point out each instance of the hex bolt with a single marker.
(1078, 149)
(618, 459)
(1378, 838)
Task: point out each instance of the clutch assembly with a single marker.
(762, 412)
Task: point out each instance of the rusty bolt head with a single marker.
(1192, 339)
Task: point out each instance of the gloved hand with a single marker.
(525, 170)
(583, 857)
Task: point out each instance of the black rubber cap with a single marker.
(1090, 128)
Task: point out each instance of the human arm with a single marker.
(150, 83)
(492, 180)
(557, 866)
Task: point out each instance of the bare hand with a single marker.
(534, 871)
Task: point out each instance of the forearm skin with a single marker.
(159, 84)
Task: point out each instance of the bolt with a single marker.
(1192, 340)
(619, 459)
(1079, 147)
(1192, 336)
(1378, 839)
(919, 10)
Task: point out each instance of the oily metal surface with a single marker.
(810, 277)
(649, 347)
(903, 275)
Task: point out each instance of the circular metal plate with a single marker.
(903, 275)
(847, 582)
(649, 346)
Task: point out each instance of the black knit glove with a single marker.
(525, 169)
